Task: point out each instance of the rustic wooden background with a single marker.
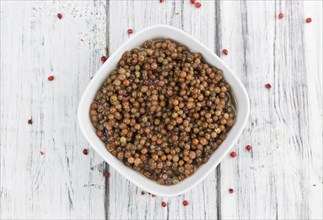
(280, 179)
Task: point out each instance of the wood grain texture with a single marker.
(280, 179)
(63, 183)
(126, 201)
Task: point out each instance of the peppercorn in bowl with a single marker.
(163, 110)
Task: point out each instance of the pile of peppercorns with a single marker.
(162, 111)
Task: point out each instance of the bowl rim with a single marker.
(243, 108)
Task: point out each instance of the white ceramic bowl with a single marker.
(153, 32)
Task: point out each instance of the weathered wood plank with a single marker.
(201, 24)
(313, 43)
(250, 43)
(34, 45)
(276, 179)
(138, 15)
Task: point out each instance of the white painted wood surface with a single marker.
(280, 179)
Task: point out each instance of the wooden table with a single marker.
(281, 178)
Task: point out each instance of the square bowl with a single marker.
(239, 92)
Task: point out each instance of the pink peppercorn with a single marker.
(103, 59)
(280, 15)
(130, 31)
(268, 86)
(233, 154)
(59, 15)
(198, 5)
(51, 78)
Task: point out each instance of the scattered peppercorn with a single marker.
(164, 204)
(225, 52)
(51, 78)
(163, 111)
(130, 31)
(30, 121)
(231, 190)
(268, 86)
(198, 5)
(59, 15)
(42, 153)
(185, 203)
(248, 147)
(280, 15)
(106, 174)
(142, 193)
(193, 2)
(308, 20)
(103, 59)
(161, 1)
(85, 152)
(233, 154)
